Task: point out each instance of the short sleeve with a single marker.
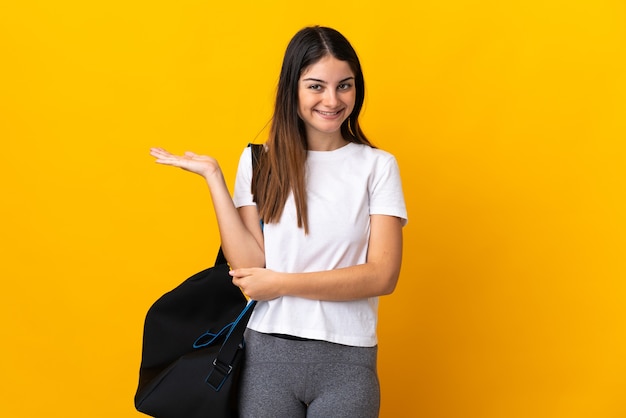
(386, 196)
(242, 195)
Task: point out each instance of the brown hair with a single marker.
(281, 169)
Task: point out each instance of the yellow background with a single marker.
(508, 119)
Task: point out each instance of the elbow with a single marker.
(248, 263)
(389, 289)
(388, 283)
(240, 260)
(384, 277)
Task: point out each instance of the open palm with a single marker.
(199, 164)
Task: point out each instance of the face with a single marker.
(326, 96)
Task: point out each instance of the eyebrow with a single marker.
(324, 82)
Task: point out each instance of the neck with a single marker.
(325, 142)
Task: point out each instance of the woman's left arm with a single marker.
(377, 277)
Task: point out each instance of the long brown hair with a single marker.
(281, 169)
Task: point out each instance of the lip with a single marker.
(329, 115)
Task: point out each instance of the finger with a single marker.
(238, 273)
(166, 158)
(159, 153)
(172, 161)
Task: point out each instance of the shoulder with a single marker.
(252, 150)
(369, 150)
(245, 153)
(376, 156)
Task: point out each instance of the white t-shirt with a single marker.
(344, 187)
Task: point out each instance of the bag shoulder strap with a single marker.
(256, 153)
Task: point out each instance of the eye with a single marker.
(344, 86)
(315, 87)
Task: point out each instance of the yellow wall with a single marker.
(508, 119)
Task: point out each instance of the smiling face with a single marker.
(326, 97)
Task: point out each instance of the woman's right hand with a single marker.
(199, 164)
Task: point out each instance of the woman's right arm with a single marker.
(240, 229)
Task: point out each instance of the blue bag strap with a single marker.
(209, 337)
(223, 363)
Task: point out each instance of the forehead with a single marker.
(328, 68)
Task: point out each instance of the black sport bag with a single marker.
(193, 348)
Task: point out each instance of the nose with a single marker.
(330, 98)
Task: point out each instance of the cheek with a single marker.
(299, 107)
(301, 101)
(351, 101)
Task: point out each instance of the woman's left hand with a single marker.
(257, 283)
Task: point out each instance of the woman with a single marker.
(332, 211)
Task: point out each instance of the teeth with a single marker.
(328, 113)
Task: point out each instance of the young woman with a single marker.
(332, 210)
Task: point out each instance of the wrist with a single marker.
(283, 281)
(213, 176)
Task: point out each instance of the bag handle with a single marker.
(223, 363)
